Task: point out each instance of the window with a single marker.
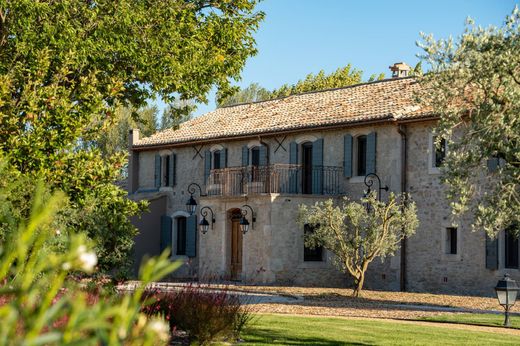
(255, 156)
(511, 249)
(312, 254)
(216, 159)
(181, 235)
(439, 153)
(361, 168)
(451, 240)
(166, 165)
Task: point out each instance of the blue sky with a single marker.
(302, 36)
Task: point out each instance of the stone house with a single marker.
(266, 158)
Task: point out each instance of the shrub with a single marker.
(204, 314)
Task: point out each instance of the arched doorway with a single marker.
(236, 244)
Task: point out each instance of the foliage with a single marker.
(357, 233)
(252, 93)
(203, 313)
(342, 77)
(40, 304)
(113, 138)
(66, 65)
(474, 88)
(176, 113)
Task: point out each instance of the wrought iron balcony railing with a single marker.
(276, 178)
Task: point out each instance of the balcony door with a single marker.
(307, 168)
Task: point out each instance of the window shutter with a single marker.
(157, 173)
(207, 165)
(263, 155)
(191, 236)
(317, 167)
(173, 165)
(166, 233)
(347, 160)
(223, 158)
(293, 171)
(491, 253)
(371, 153)
(245, 156)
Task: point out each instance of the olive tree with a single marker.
(474, 88)
(359, 232)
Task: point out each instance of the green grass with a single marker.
(477, 319)
(327, 331)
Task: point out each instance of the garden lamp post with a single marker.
(506, 290)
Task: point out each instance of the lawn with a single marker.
(296, 330)
(477, 319)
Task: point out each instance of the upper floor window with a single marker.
(361, 165)
(436, 154)
(216, 159)
(165, 170)
(255, 156)
(451, 240)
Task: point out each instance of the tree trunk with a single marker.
(358, 284)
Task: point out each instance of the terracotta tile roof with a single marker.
(387, 99)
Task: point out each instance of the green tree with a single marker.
(41, 304)
(114, 135)
(66, 65)
(357, 233)
(252, 93)
(340, 78)
(176, 113)
(474, 88)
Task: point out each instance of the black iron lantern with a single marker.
(507, 291)
(244, 223)
(191, 205)
(204, 224)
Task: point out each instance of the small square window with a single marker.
(312, 254)
(439, 153)
(451, 240)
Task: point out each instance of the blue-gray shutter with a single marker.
(347, 159)
(191, 236)
(263, 155)
(157, 174)
(223, 158)
(173, 166)
(492, 164)
(293, 171)
(207, 165)
(166, 233)
(371, 153)
(317, 167)
(491, 253)
(245, 156)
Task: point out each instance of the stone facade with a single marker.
(272, 251)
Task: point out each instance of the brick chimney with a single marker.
(133, 162)
(399, 69)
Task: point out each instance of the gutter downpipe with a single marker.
(402, 130)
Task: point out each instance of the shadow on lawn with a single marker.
(268, 336)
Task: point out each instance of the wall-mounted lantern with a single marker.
(244, 223)
(191, 205)
(204, 224)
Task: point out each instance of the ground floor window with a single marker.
(181, 236)
(451, 240)
(511, 249)
(312, 254)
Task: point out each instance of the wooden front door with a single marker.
(236, 250)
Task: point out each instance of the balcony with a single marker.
(276, 178)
